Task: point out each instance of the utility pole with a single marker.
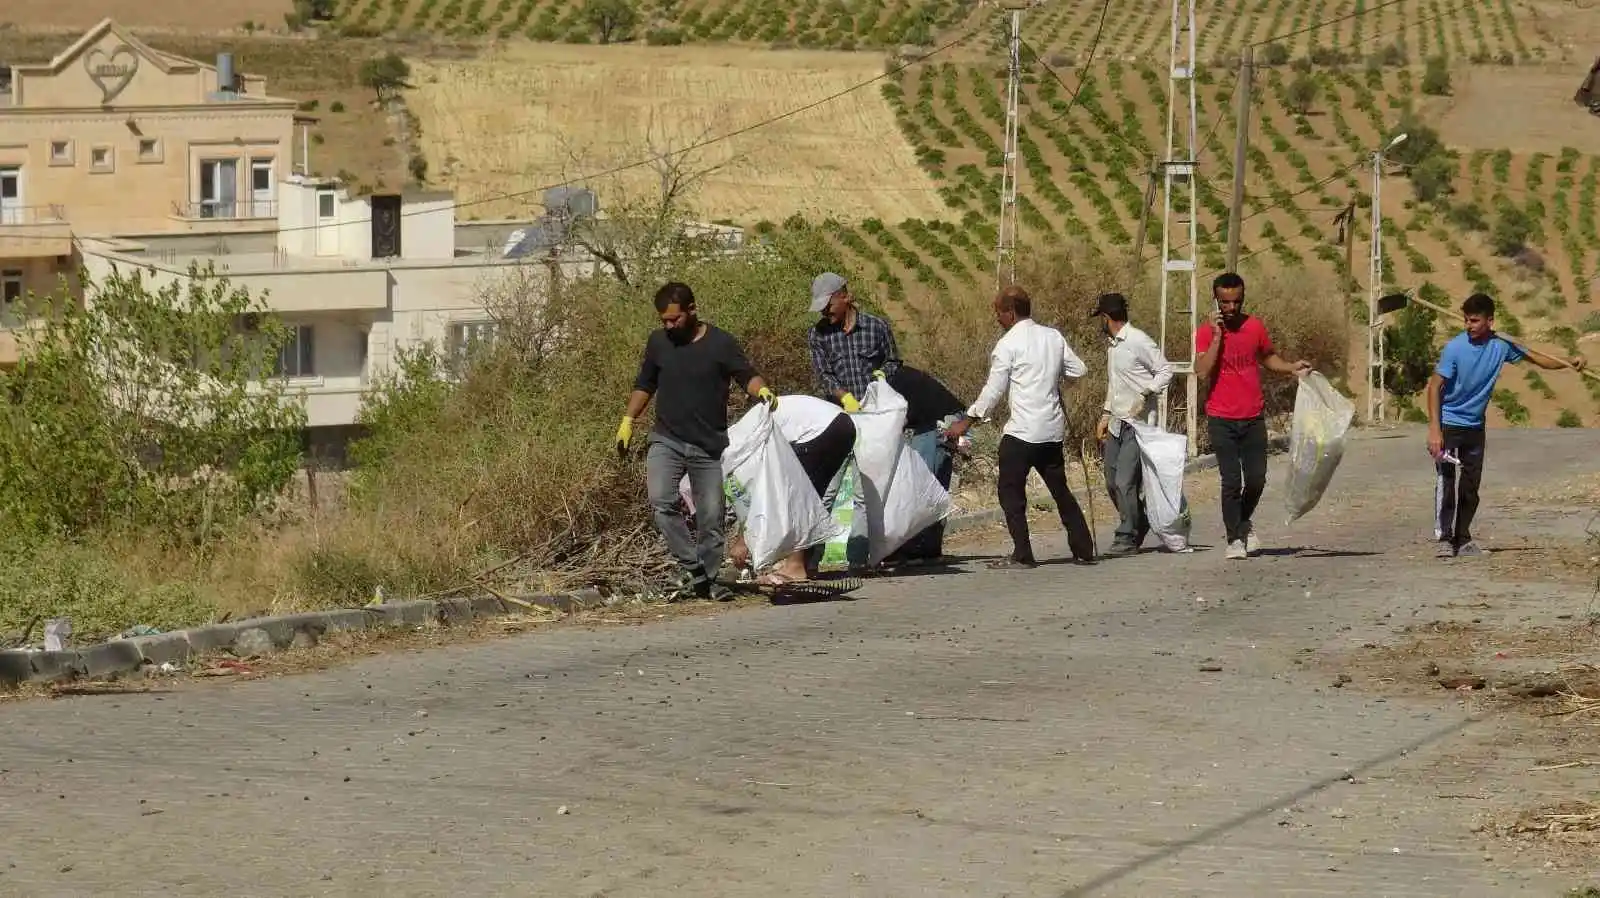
(1178, 215)
(1375, 375)
(1241, 154)
(1144, 222)
(1005, 252)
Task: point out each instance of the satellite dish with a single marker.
(513, 240)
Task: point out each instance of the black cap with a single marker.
(1113, 304)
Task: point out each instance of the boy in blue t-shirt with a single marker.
(1458, 400)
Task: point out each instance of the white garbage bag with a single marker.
(1163, 458)
(1316, 441)
(903, 497)
(771, 493)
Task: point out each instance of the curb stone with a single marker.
(126, 656)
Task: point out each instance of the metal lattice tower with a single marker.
(1180, 202)
(1005, 252)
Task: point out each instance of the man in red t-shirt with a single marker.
(1230, 351)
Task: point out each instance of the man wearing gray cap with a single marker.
(847, 344)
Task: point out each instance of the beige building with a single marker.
(115, 154)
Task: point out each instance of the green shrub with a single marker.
(1568, 418)
(137, 409)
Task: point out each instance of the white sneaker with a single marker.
(1236, 549)
(1252, 543)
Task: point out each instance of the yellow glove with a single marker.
(766, 395)
(624, 435)
(849, 402)
(879, 375)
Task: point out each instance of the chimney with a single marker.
(225, 77)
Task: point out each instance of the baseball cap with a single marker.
(1113, 304)
(823, 286)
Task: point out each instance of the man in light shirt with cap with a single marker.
(847, 345)
(1136, 371)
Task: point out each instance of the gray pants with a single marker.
(666, 463)
(1123, 478)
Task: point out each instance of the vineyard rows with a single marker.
(1482, 31)
(1084, 177)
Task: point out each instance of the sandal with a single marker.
(773, 578)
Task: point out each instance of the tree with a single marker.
(386, 75)
(1302, 93)
(643, 233)
(1433, 177)
(1274, 54)
(1512, 230)
(1436, 78)
(612, 18)
(142, 406)
(1409, 350)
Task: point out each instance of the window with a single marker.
(297, 358)
(219, 188)
(149, 149)
(101, 159)
(468, 337)
(10, 297)
(60, 152)
(262, 193)
(10, 196)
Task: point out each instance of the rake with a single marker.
(1394, 302)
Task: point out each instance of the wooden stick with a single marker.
(1444, 311)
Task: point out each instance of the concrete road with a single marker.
(1136, 729)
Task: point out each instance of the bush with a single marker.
(1512, 228)
(1436, 78)
(1302, 94)
(136, 410)
(1274, 54)
(1568, 418)
(664, 37)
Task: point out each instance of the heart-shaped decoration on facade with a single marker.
(111, 72)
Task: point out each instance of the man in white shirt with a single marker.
(1028, 363)
(1136, 372)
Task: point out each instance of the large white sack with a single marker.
(1162, 459)
(1316, 441)
(772, 495)
(903, 497)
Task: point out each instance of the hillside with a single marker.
(903, 173)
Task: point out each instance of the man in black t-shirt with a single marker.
(686, 368)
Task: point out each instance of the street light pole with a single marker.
(1375, 374)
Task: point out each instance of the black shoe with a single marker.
(1085, 562)
(1120, 549)
(1013, 563)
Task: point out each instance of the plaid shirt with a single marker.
(844, 360)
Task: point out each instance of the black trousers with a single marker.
(1455, 493)
(1017, 458)
(1241, 448)
(824, 454)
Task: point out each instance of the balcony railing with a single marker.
(227, 210)
(32, 215)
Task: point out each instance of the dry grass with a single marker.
(516, 118)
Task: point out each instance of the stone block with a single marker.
(110, 659)
(164, 648)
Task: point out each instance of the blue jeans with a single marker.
(936, 455)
